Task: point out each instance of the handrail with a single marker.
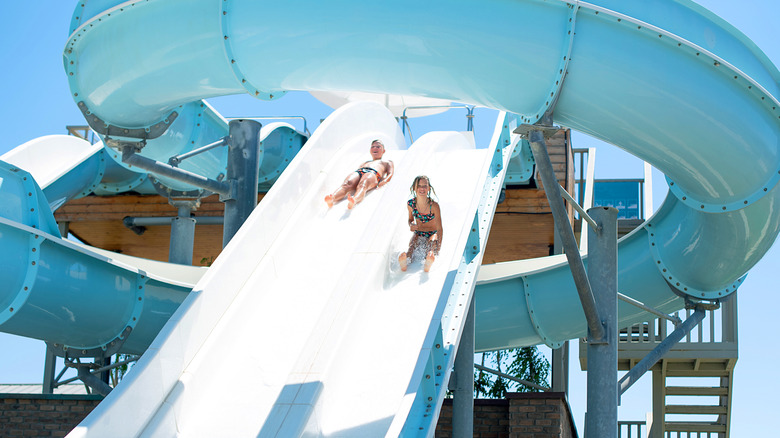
(469, 117)
(83, 132)
(633, 429)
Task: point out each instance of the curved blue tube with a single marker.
(667, 81)
(70, 295)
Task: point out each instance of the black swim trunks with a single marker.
(363, 170)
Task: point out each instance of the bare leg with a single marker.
(402, 260)
(366, 183)
(429, 261)
(348, 186)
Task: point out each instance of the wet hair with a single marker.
(378, 141)
(417, 180)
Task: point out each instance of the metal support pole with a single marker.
(658, 352)
(560, 369)
(93, 382)
(130, 157)
(182, 236)
(64, 228)
(602, 399)
(544, 165)
(512, 378)
(49, 366)
(243, 173)
(131, 221)
(463, 401)
(560, 356)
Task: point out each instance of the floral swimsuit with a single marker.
(423, 218)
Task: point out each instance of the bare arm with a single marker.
(412, 225)
(439, 236)
(389, 175)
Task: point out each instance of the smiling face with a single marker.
(377, 149)
(422, 188)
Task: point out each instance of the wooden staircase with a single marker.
(693, 383)
(700, 408)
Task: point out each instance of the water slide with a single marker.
(667, 81)
(112, 302)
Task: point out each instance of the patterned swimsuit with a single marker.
(363, 170)
(423, 218)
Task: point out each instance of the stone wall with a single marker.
(535, 415)
(529, 414)
(43, 415)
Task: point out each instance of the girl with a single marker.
(425, 222)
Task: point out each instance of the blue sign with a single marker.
(625, 196)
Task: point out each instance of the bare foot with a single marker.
(329, 200)
(350, 202)
(402, 261)
(428, 262)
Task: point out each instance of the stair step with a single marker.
(681, 426)
(705, 371)
(696, 390)
(696, 409)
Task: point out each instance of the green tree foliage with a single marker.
(523, 363)
(118, 372)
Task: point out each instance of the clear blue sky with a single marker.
(37, 102)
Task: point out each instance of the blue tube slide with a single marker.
(667, 81)
(84, 300)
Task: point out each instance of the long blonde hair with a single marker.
(417, 179)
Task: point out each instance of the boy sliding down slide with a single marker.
(370, 175)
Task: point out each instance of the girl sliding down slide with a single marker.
(425, 222)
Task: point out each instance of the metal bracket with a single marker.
(106, 350)
(179, 195)
(547, 131)
(103, 128)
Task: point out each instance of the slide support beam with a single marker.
(660, 351)
(562, 225)
(182, 234)
(243, 173)
(602, 398)
(463, 401)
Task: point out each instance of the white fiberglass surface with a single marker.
(260, 298)
(377, 332)
(314, 325)
(50, 157)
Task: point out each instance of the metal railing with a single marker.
(83, 132)
(405, 119)
(632, 429)
(638, 429)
